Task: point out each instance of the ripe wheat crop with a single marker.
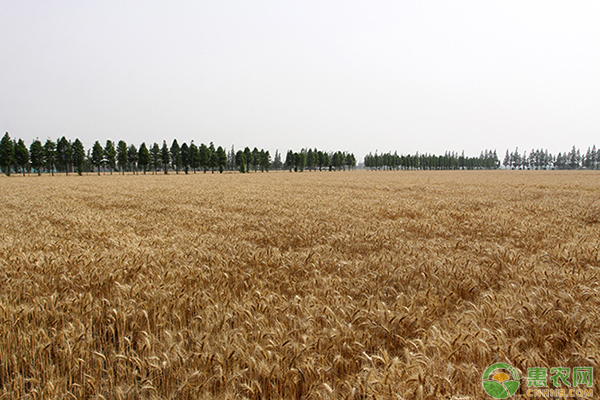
(346, 285)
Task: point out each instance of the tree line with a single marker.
(542, 159)
(487, 159)
(66, 156)
(450, 160)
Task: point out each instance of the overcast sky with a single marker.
(360, 76)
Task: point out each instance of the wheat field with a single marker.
(344, 285)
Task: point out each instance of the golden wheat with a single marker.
(388, 285)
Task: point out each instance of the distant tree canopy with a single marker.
(486, 160)
(67, 156)
(536, 159)
(541, 159)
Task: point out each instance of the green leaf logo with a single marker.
(500, 381)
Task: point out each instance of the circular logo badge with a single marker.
(500, 381)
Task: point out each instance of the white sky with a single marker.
(425, 76)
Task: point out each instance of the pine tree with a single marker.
(122, 155)
(110, 155)
(506, 161)
(573, 158)
(7, 154)
(277, 164)
(143, 157)
(155, 157)
(21, 155)
(240, 161)
(50, 155)
(335, 160)
(248, 158)
(321, 159)
(165, 157)
(194, 157)
(64, 154)
(351, 161)
(231, 159)
(204, 157)
(212, 157)
(310, 159)
(265, 160)
(221, 159)
(78, 156)
(176, 155)
(255, 159)
(185, 157)
(36, 155)
(289, 160)
(326, 162)
(132, 157)
(97, 155)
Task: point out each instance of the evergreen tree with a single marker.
(221, 159)
(165, 157)
(524, 160)
(561, 161)
(194, 156)
(320, 160)
(97, 155)
(573, 158)
(506, 161)
(532, 159)
(122, 155)
(185, 157)
(21, 155)
(64, 154)
(325, 159)
(515, 159)
(110, 155)
(310, 159)
(143, 157)
(289, 160)
(212, 158)
(155, 157)
(231, 159)
(176, 155)
(351, 161)
(7, 153)
(50, 155)
(36, 154)
(496, 161)
(204, 157)
(248, 158)
(255, 159)
(277, 164)
(335, 160)
(587, 160)
(240, 161)
(299, 161)
(265, 160)
(78, 156)
(132, 158)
